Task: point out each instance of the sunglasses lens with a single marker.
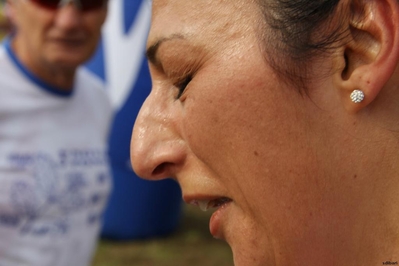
(50, 4)
(88, 5)
(85, 5)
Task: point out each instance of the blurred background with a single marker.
(190, 245)
(145, 223)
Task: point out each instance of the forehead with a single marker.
(202, 19)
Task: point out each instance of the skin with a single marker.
(308, 175)
(53, 43)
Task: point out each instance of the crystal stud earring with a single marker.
(357, 96)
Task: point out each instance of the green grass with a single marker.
(190, 245)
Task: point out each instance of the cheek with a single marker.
(212, 118)
(31, 22)
(250, 132)
(92, 28)
(94, 20)
(229, 124)
(238, 118)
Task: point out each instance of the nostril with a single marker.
(160, 169)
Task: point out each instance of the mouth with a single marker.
(69, 42)
(205, 205)
(218, 217)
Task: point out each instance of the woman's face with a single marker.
(232, 133)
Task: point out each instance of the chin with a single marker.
(253, 252)
(69, 59)
(251, 260)
(70, 63)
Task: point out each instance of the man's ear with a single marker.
(371, 54)
(10, 10)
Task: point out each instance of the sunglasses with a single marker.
(84, 5)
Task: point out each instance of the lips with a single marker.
(70, 42)
(217, 218)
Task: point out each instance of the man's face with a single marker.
(54, 38)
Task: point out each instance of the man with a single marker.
(54, 120)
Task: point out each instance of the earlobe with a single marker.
(371, 55)
(10, 10)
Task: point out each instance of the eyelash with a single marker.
(181, 85)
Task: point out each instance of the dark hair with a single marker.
(301, 29)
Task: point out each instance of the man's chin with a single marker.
(70, 63)
(70, 58)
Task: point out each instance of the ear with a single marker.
(9, 10)
(371, 55)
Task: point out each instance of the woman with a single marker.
(283, 115)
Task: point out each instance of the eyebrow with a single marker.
(152, 50)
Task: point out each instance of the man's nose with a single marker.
(157, 151)
(69, 16)
(77, 3)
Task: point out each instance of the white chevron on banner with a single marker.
(123, 53)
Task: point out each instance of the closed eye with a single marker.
(182, 85)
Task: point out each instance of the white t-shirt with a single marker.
(54, 173)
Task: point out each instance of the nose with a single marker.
(156, 150)
(68, 17)
(66, 2)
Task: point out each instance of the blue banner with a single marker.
(137, 208)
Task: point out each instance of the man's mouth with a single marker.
(69, 41)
